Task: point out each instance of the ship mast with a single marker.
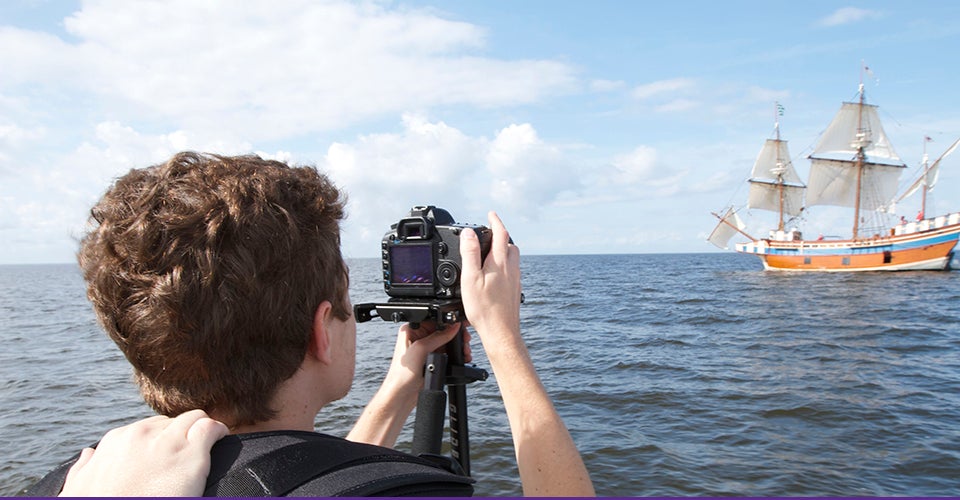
(926, 171)
(853, 164)
(928, 178)
(860, 144)
(779, 169)
(774, 184)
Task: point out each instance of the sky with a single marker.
(590, 126)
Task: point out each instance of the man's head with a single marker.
(207, 271)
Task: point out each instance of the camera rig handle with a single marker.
(427, 436)
(447, 369)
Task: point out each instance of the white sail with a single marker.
(773, 163)
(930, 177)
(856, 125)
(766, 196)
(834, 183)
(773, 174)
(729, 225)
(833, 172)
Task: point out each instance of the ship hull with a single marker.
(925, 250)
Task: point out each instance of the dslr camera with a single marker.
(421, 254)
(422, 267)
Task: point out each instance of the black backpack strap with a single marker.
(386, 478)
(51, 484)
(311, 464)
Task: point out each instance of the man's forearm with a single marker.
(384, 416)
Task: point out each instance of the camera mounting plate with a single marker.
(412, 311)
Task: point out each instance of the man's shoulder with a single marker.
(299, 463)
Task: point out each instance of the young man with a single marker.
(221, 280)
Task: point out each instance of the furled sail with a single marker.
(833, 172)
(773, 176)
(729, 225)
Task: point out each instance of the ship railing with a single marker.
(927, 224)
(792, 235)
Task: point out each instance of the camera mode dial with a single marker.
(447, 273)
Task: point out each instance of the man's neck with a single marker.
(296, 402)
(277, 424)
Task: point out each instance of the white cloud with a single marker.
(680, 95)
(607, 85)
(118, 148)
(431, 162)
(45, 198)
(265, 69)
(386, 174)
(131, 83)
(847, 15)
(515, 171)
(675, 95)
(640, 174)
(14, 139)
(15, 135)
(134, 82)
(390, 172)
(762, 95)
(677, 105)
(638, 165)
(35, 58)
(659, 88)
(527, 173)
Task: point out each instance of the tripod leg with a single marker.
(459, 430)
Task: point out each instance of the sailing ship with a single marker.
(853, 165)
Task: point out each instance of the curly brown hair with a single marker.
(206, 271)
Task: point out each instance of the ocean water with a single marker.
(677, 375)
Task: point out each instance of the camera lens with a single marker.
(447, 273)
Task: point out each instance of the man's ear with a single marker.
(320, 337)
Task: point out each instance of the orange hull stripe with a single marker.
(871, 260)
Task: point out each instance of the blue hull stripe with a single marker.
(880, 247)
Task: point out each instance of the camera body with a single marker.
(421, 254)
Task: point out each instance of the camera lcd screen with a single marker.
(411, 264)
